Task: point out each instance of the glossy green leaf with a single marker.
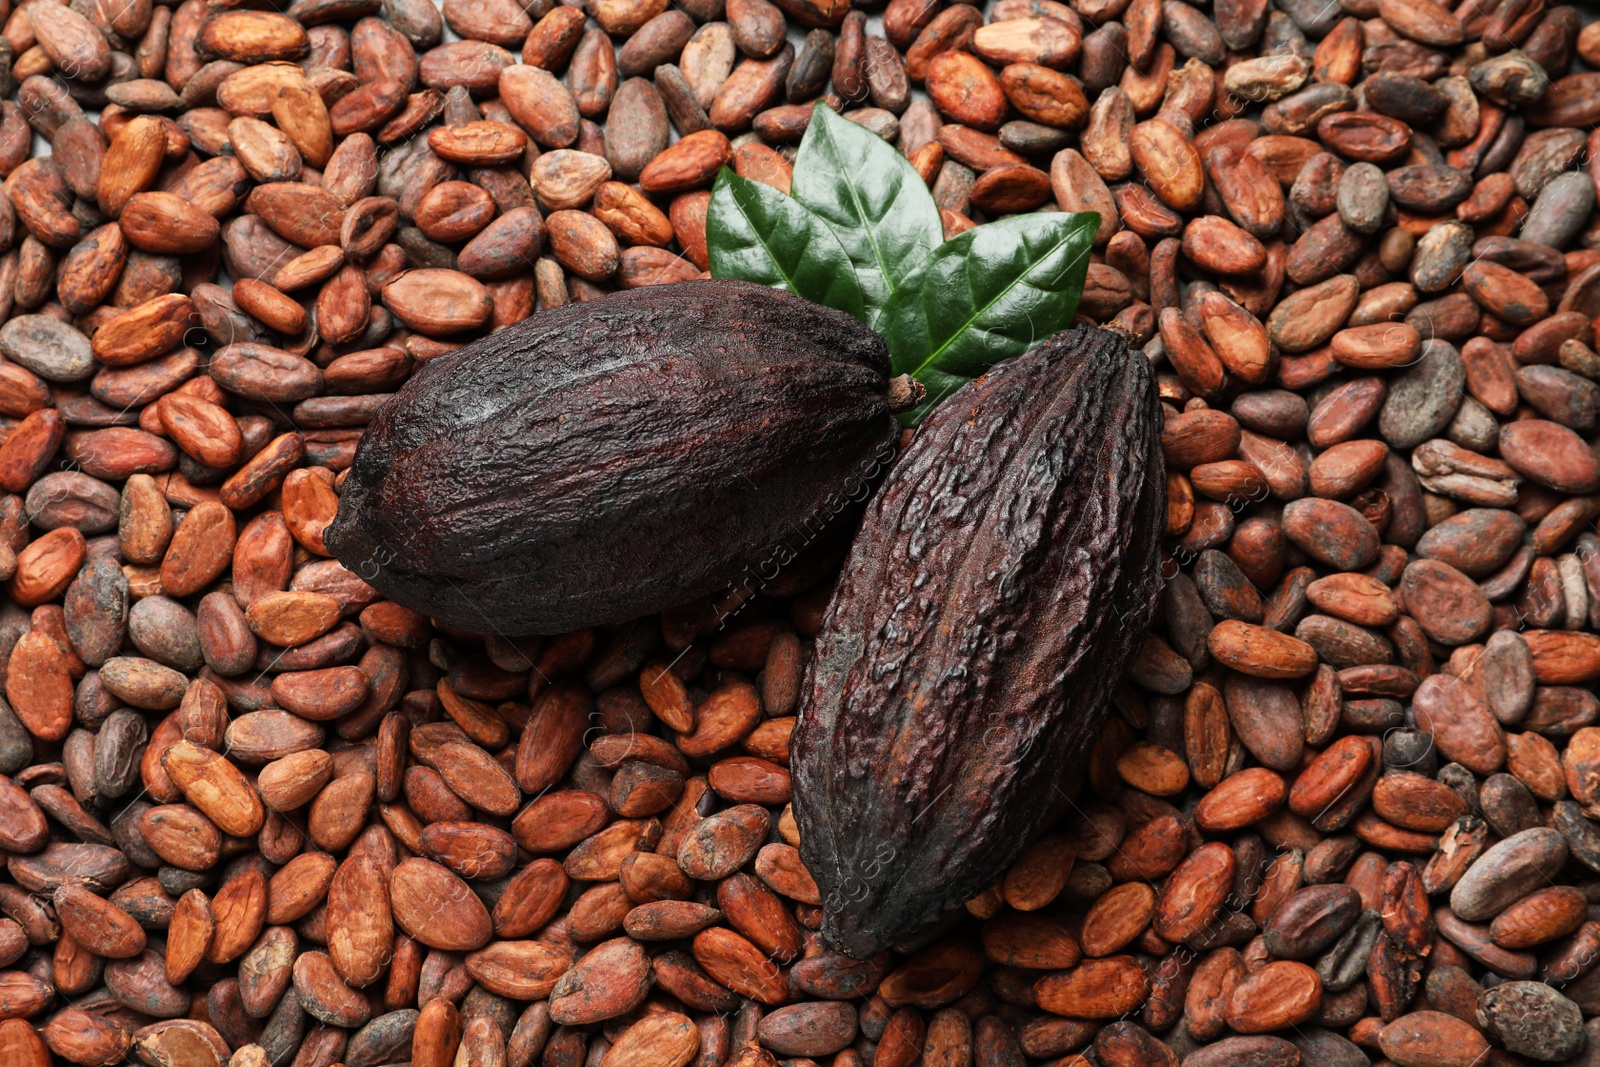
(986, 295)
(757, 234)
(873, 198)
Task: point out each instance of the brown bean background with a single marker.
(251, 814)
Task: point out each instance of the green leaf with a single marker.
(986, 295)
(757, 234)
(873, 198)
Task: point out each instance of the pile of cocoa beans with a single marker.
(1347, 810)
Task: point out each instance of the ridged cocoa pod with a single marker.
(998, 588)
(606, 460)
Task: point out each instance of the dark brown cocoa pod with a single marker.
(997, 590)
(600, 462)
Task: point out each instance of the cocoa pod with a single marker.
(426, 518)
(984, 749)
